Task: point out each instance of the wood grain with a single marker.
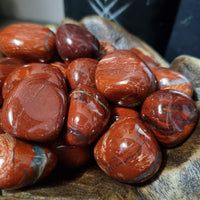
(86, 184)
(190, 67)
(111, 32)
(180, 177)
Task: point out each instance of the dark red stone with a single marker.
(7, 65)
(45, 71)
(105, 48)
(22, 163)
(124, 79)
(171, 79)
(81, 71)
(128, 151)
(171, 115)
(74, 41)
(62, 67)
(1, 129)
(121, 112)
(28, 41)
(34, 110)
(70, 156)
(88, 115)
(145, 56)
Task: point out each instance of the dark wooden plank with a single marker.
(89, 183)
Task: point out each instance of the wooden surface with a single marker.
(89, 183)
(179, 177)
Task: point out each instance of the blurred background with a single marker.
(170, 27)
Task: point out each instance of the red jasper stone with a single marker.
(121, 112)
(87, 117)
(62, 67)
(1, 129)
(82, 72)
(23, 164)
(171, 79)
(74, 41)
(70, 156)
(171, 115)
(45, 71)
(7, 65)
(34, 110)
(105, 48)
(128, 151)
(145, 56)
(28, 41)
(124, 79)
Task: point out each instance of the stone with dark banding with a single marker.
(28, 41)
(124, 79)
(171, 115)
(121, 112)
(88, 115)
(171, 79)
(81, 71)
(23, 164)
(128, 151)
(70, 156)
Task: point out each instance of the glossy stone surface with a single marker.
(81, 71)
(45, 71)
(62, 67)
(124, 79)
(121, 112)
(105, 48)
(171, 116)
(22, 163)
(1, 130)
(128, 151)
(28, 41)
(34, 110)
(171, 79)
(88, 115)
(145, 56)
(7, 65)
(74, 41)
(72, 157)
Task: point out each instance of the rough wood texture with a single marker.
(89, 184)
(109, 31)
(190, 67)
(180, 178)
